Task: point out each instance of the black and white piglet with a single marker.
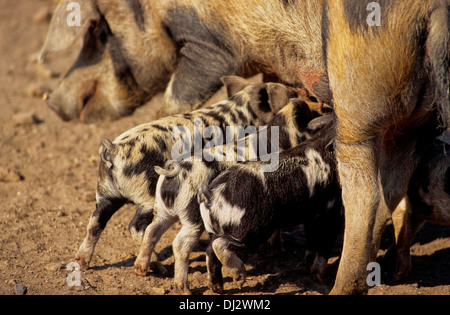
(243, 206)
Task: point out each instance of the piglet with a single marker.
(428, 200)
(243, 206)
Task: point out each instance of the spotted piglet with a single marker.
(126, 170)
(243, 206)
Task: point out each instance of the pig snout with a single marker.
(88, 102)
(65, 109)
(72, 103)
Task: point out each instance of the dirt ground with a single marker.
(48, 171)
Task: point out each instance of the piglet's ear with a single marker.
(234, 84)
(301, 114)
(266, 100)
(259, 101)
(318, 123)
(279, 95)
(70, 21)
(106, 151)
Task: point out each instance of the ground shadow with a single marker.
(289, 267)
(428, 270)
(129, 262)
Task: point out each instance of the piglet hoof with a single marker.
(320, 276)
(82, 261)
(402, 268)
(184, 290)
(239, 279)
(400, 276)
(276, 243)
(140, 270)
(157, 267)
(319, 269)
(216, 287)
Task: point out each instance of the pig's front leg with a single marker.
(105, 208)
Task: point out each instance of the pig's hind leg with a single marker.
(183, 244)
(214, 266)
(222, 248)
(141, 220)
(152, 234)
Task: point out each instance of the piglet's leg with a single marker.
(406, 226)
(141, 220)
(319, 268)
(229, 259)
(276, 242)
(215, 277)
(183, 245)
(321, 234)
(105, 208)
(151, 236)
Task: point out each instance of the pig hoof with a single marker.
(320, 274)
(319, 269)
(239, 279)
(83, 262)
(216, 288)
(184, 290)
(320, 277)
(140, 270)
(158, 268)
(400, 277)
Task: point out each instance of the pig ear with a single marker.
(70, 21)
(301, 114)
(279, 95)
(259, 101)
(234, 84)
(106, 152)
(318, 123)
(266, 100)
